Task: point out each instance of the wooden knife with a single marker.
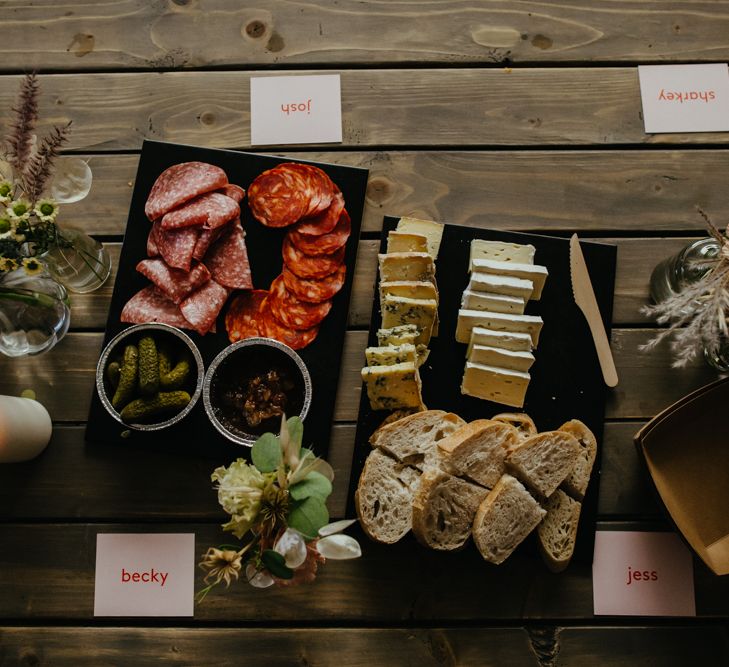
(587, 303)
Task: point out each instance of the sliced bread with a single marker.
(443, 510)
(505, 517)
(558, 531)
(412, 440)
(523, 423)
(543, 461)
(577, 480)
(384, 497)
(478, 450)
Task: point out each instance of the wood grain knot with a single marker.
(82, 44)
(542, 42)
(378, 190)
(208, 118)
(29, 658)
(181, 3)
(256, 29)
(275, 44)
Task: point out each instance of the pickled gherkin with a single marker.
(127, 378)
(165, 359)
(148, 366)
(177, 376)
(142, 409)
(113, 371)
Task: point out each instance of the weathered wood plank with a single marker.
(183, 34)
(428, 107)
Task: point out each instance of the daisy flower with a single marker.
(6, 229)
(8, 264)
(6, 191)
(46, 210)
(32, 266)
(19, 209)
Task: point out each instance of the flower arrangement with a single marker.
(277, 508)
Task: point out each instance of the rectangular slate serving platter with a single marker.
(322, 357)
(566, 379)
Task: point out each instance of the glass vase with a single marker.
(83, 266)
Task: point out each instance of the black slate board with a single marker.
(322, 357)
(566, 379)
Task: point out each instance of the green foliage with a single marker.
(276, 564)
(313, 485)
(266, 453)
(308, 516)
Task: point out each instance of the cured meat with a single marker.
(227, 260)
(325, 243)
(176, 246)
(202, 307)
(180, 183)
(210, 210)
(270, 328)
(326, 221)
(152, 248)
(235, 192)
(243, 316)
(310, 266)
(276, 198)
(175, 284)
(206, 238)
(150, 305)
(320, 185)
(292, 312)
(314, 291)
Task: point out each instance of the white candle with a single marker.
(25, 429)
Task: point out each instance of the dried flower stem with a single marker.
(40, 166)
(20, 138)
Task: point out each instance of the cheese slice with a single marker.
(393, 387)
(504, 252)
(506, 340)
(406, 242)
(537, 274)
(408, 266)
(406, 333)
(494, 356)
(467, 319)
(389, 355)
(498, 303)
(412, 289)
(495, 384)
(509, 285)
(398, 310)
(433, 231)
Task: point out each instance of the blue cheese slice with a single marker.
(393, 387)
(406, 242)
(468, 319)
(405, 333)
(506, 340)
(503, 252)
(493, 284)
(495, 356)
(533, 272)
(498, 303)
(499, 385)
(433, 231)
(399, 310)
(389, 355)
(409, 266)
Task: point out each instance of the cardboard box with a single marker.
(686, 450)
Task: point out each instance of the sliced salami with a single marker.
(176, 246)
(271, 328)
(150, 305)
(206, 238)
(325, 243)
(314, 291)
(227, 260)
(310, 266)
(243, 316)
(276, 198)
(292, 312)
(326, 221)
(202, 307)
(321, 185)
(152, 247)
(235, 192)
(210, 210)
(175, 284)
(180, 183)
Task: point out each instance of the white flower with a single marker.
(292, 547)
(19, 209)
(6, 191)
(240, 488)
(46, 210)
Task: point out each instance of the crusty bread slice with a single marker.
(577, 480)
(384, 497)
(558, 531)
(412, 440)
(543, 461)
(523, 423)
(477, 451)
(505, 517)
(443, 510)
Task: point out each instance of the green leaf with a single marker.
(314, 484)
(308, 516)
(266, 453)
(296, 430)
(276, 564)
(306, 453)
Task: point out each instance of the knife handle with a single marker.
(604, 355)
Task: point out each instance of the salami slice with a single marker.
(292, 312)
(243, 316)
(227, 260)
(235, 192)
(175, 284)
(150, 305)
(206, 238)
(180, 183)
(152, 247)
(276, 198)
(310, 266)
(322, 187)
(176, 246)
(325, 243)
(270, 328)
(326, 221)
(202, 307)
(314, 291)
(210, 210)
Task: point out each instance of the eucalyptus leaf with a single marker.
(323, 468)
(296, 430)
(314, 484)
(306, 454)
(71, 181)
(308, 516)
(266, 453)
(276, 564)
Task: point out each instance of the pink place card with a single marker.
(296, 110)
(145, 574)
(685, 98)
(642, 574)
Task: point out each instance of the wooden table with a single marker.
(503, 114)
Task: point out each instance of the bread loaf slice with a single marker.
(443, 510)
(558, 531)
(503, 520)
(524, 424)
(577, 480)
(478, 450)
(543, 461)
(412, 439)
(384, 497)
